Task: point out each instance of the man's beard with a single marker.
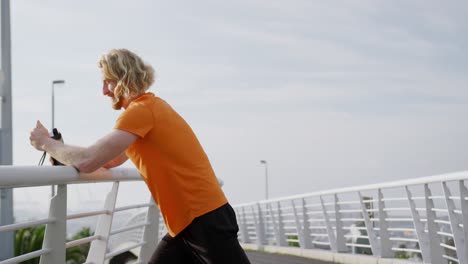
(117, 103)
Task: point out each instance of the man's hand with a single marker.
(39, 136)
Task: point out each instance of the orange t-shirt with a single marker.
(171, 161)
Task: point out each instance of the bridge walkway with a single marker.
(257, 257)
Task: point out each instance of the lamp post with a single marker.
(6, 129)
(54, 82)
(266, 177)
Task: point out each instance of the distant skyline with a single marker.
(330, 93)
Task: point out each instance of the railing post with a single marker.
(464, 209)
(266, 224)
(150, 233)
(306, 226)
(243, 228)
(56, 232)
(340, 239)
(422, 236)
(385, 245)
(435, 249)
(261, 239)
(330, 231)
(258, 225)
(300, 233)
(98, 248)
(273, 221)
(457, 231)
(278, 226)
(369, 228)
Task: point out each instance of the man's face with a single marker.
(108, 87)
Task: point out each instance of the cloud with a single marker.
(342, 90)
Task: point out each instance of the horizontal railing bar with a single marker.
(350, 210)
(352, 219)
(27, 256)
(396, 209)
(442, 222)
(352, 236)
(17, 226)
(319, 235)
(115, 253)
(316, 220)
(287, 214)
(123, 208)
(349, 202)
(313, 205)
(81, 241)
(88, 214)
(315, 212)
(448, 246)
(445, 234)
(117, 231)
(448, 177)
(404, 239)
(394, 199)
(450, 258)
(399, 229)
(320, 243)
(439, 210)
(29, 176)
(406, 250)
(356, 227)
(312, 212)
(358, 245)
(399, 219)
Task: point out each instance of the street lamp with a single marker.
(54, 82)
(266, 178)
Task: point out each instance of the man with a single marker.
(201, 224)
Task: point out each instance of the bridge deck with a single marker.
(256, 257)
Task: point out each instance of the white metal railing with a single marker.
(54, 245)
(425, 218)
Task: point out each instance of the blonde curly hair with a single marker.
(133, 77)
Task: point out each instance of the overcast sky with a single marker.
(330, 93)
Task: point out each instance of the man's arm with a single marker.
(85, 159)
(117, 161)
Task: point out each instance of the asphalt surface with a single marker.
(257, 257)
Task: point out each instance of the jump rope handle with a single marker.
(57, 136)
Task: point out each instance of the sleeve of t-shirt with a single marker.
(137, 119)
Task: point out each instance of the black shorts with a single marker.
(210, 238)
